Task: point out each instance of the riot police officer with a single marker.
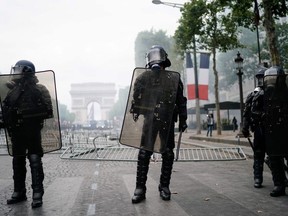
(253, 120)
(276, 125)
(157, 58)
(25, 107)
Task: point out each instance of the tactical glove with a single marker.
(182, 125)
(245, 132)
(135, 117)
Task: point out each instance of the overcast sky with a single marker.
(80, 40)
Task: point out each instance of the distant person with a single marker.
(234, 122)
(210, 124)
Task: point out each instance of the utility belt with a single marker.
(16, 117)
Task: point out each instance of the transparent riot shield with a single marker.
(30, 112)
(149, 109)
(276, 114)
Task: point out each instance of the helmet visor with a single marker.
(270, 81)
(155, 56)
(260, 81)
(17, 69)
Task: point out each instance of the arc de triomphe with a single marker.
(83, 94)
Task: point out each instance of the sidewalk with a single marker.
(228, 137)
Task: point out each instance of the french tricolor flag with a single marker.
(203, 77)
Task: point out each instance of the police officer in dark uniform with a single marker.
(276, 125)
(253, 120)
(25, 107)
(158, 58)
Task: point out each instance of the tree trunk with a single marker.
(197, 99)
(216, 93)
(269, 25)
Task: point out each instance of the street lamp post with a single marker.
(256, 22)
(239, 65)
(176, 5)
(197, 103)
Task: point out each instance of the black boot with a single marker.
(19, 176)
(165, 193)
(37, 180)
(142, 170)
(166, 170)
(278, 174)
(278, 191)
(139, 194)
(258, 172)
(17, 196)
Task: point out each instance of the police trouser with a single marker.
(278, 171)
(167, 163)
(26, 141)
(19, 173)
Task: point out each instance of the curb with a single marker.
(222, 140)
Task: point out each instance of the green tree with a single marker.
(64, 114)
(215, 31)
(226, 64)
(282, 35)
(246, 13)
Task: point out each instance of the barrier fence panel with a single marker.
(93, 146)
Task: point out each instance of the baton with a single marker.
(178, 145)
(251, 144)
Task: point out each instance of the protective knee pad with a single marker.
(35, 158)
(144, 155)
(36, 172)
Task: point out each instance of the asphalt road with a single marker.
(89, 187)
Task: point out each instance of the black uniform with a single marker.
(25, 107)
(276, 125)
(253, 120)
(160, 60)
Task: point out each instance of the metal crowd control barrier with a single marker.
(89, 146)
(107, 150)
(3, 145)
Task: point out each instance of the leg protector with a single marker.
(19, 176)
(278, 175)
(37, 179)
(166, 171)
(142, 171)
(258, 171)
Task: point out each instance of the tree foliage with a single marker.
(248, 13)
(282, 34)
(64, 114)
(212, 26)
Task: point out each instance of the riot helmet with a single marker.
(157, 56)
(274, 76)
(260, 77)
(23, 67)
